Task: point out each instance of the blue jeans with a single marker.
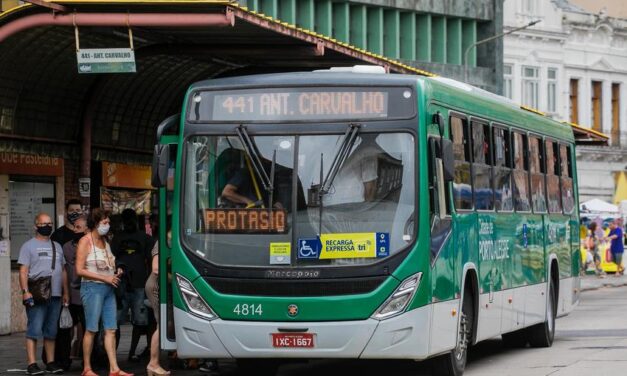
(134, 300)
(99, 303)
(43, 319)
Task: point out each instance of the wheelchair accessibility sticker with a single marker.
(309, 248)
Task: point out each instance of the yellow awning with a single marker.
(621, 188)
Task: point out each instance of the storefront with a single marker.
(29, 184)
(127, 186)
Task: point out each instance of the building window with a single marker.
(551, 93)
(530, 82)
(528, 7)
(597, 103)
(574, 101)
(507, 81)
(615, 114)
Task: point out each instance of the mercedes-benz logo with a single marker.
(292, 310)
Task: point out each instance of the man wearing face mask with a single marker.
(65, 233)
(42, 258)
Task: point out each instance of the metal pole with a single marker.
(487, 40)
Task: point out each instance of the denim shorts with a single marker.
(43, 319)
(133, 299)
(99, 303)
(618, 258)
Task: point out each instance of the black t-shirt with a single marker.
(62, 235)
(244, 184)
(133, 250)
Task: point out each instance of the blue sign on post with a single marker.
(524, 235)
(309, 248)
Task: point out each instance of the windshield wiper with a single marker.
(251, 153)
(340, 157)
(338, 160)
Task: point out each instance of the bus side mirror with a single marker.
(160, 163)
(448, 160)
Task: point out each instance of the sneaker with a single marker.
(53, 368)
(33, 369)
(208, 366)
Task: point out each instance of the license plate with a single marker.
(301, 340)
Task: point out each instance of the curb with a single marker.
(606, 283)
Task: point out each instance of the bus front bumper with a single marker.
(403, 337)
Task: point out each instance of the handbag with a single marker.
(41, 288)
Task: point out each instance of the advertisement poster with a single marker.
(117, 200)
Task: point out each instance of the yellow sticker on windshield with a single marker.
(355, 245)
(280, 253)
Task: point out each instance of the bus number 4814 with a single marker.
(248, 310)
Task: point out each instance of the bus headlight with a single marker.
(398, 301)
(193, 300)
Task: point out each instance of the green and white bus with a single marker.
(353, 214)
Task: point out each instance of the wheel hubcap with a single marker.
(464, 335)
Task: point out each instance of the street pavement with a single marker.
(591, 340)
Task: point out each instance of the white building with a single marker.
(573, 66)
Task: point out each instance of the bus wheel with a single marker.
(260, 367)
(515, 339)
(541, 335)
(454, 362)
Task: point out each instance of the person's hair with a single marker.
(39, 216)
(73, 201)
(593, 226)
(129, 220)
(95, 216)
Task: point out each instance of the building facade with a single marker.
(430, 35)
(572, 66)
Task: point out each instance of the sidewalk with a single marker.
(592, 282)
(13, 357)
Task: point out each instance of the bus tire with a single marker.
(453, 363)
(541, 335)
(515, 339)
(261, 367)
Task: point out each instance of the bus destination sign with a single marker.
(301, 106)
(245, 221)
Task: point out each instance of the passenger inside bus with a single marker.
(243, 187)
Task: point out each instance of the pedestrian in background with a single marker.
(96, 265)
(63, 347)
(617, 248)
(43, 281)
(65, 233)
(132, 248)
(152, 292)
(592, 243)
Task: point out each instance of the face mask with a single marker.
(72, 217)
(103, 229)
(44, 230)
(78, 236)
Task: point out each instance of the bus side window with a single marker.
(521, 174)
(502, 170)
(462, 184)
(566, 179)
(552, 178)
(481, 168)
(537, 168)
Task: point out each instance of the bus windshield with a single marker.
(256, 201)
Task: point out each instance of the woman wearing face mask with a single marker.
(96, 265)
